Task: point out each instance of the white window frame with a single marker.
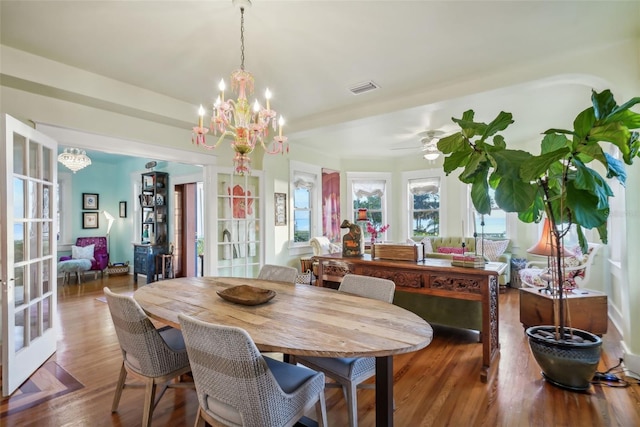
(388, 194)
(315, 204)
(406, 227)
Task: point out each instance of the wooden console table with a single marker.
(433, 277)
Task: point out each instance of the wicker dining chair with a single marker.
(278, 273)
(350, 372)
(154, 356)
(237, 386)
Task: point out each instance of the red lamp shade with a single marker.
(545, 246)
(362, 214)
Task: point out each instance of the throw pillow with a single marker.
(455, 250)
(492, 248)
(428, 247)
(82, 252)
(531, 276)
(335, 249)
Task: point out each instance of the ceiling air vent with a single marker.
(363, 87)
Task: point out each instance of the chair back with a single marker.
(100, 253)
(581, 274)
(278, 273)
(370, 287)
(232, 379)
(99, 242)
(143, 349)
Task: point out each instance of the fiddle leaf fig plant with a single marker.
(559, 181)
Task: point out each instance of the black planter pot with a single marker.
(566, 364)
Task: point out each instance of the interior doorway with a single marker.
(188, 230)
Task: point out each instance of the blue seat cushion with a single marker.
(337, 365)
(173, 338)
(290, 377)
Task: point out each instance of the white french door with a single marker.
(27, 252)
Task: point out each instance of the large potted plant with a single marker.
(558, 183)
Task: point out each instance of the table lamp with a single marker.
(545, 247)
(110, 219)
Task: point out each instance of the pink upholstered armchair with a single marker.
(100, 259)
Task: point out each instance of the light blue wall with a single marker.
(113, 184)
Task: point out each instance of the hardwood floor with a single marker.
(436, 386)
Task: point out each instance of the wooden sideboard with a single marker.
(433, 277)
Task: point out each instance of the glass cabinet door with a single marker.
(238, 225)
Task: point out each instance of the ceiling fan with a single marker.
(428, 141)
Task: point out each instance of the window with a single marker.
(495, 224)
(303, 185)
(424, 194)
(371, 192)
(305, 199)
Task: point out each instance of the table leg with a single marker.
(320, 274)
(490, 336)
(384, 391)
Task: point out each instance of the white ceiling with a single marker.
(422, 54)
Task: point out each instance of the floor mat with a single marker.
(48, 382)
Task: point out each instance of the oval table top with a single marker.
(299, 320)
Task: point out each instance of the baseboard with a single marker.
(631, 362)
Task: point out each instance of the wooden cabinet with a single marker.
(587, 310)
(144, 260)
(154, 224)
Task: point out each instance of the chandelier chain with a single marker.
(242, 38)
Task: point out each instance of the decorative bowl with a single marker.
(246, 295)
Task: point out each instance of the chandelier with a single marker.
(74, 159)
(246, 125)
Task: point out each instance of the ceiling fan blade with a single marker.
(414, 147)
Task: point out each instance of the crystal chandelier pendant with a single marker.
(74, 159)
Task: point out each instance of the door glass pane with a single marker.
(46, 225)
(46, 314)
(46, 238)
(34, 241)
(47, 266)
(47, 170)
(32, 200)
(34, 321)
(34, 160)
(19, 286)
(18, 198)
(34, 282)
(19, 330)
(19, 150)
(46, 201)
(18, 242)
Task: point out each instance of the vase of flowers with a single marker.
(375, 229)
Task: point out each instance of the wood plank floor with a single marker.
(437, 386)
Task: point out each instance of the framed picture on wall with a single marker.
(89, 201)
(281, 208)
(123, 209)
(89, 219)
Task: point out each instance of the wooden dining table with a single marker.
(300, 320)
